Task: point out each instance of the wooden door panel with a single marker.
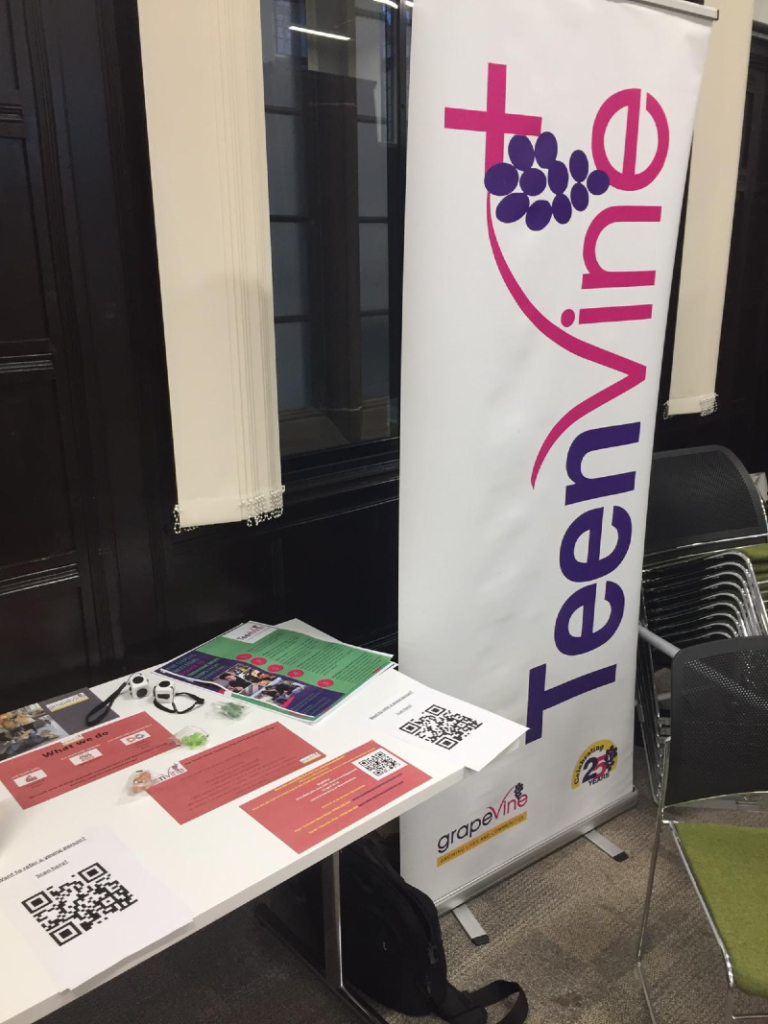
(340, 573)
(42, 634)
(8, 76)
(23, 324)
(217, 579)
(35, 514)
(46, 601)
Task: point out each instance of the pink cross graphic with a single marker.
(494, 121)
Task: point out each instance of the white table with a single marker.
(195, 860)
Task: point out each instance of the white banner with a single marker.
(548, 145)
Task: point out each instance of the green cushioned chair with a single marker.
(718, 746)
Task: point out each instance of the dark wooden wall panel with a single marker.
(8, 77)
(21, 291)
(42, 635)
(79, 37)
(35, 516)
(48, 625)
(340, 573)
(215, 581)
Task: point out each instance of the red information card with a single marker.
(323, 802)
(230, 770)
(61, 767)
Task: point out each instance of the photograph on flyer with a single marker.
(25, 729)
(298, 697)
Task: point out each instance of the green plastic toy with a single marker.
(232, 710)
(194, 740)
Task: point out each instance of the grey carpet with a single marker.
(566, 928)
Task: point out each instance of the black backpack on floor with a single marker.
(393, 949)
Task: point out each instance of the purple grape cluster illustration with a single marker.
(532, 169)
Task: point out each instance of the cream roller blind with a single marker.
(709, 214)
(205, 118)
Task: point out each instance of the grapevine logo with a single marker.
(496, 818)
(521, 188)
(595, 764)
(171, 773)
(519, 181)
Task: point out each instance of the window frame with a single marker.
(348, 469)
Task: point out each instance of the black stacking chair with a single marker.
(718, 746)
(702, 504)
(701, 499)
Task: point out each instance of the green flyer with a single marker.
(279, 668)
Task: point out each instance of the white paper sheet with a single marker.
(85, 905)
(448, 725)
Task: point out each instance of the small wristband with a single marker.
(97, 714)
(173, 710)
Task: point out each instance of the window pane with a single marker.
(282, 75)
(289, 269)
(370, 53)
(408, 28)
(294, 379)
(375, 356)
(371, 171)
(285, 159)
(331, 148)
(374, 267)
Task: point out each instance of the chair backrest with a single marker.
(719, 720)
(702, 497)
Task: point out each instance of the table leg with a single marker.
(332, 970)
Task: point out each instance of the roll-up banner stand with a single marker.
(548, 145)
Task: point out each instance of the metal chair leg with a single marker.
(646, 993)
(729, 1001)
(654, 854)
(649, 890)
(646, 914)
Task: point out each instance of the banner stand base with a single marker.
(484, 882)
(606, 845)
(471, 925)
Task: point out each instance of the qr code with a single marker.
(69, 910)
(379, 763)
(437, 725)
